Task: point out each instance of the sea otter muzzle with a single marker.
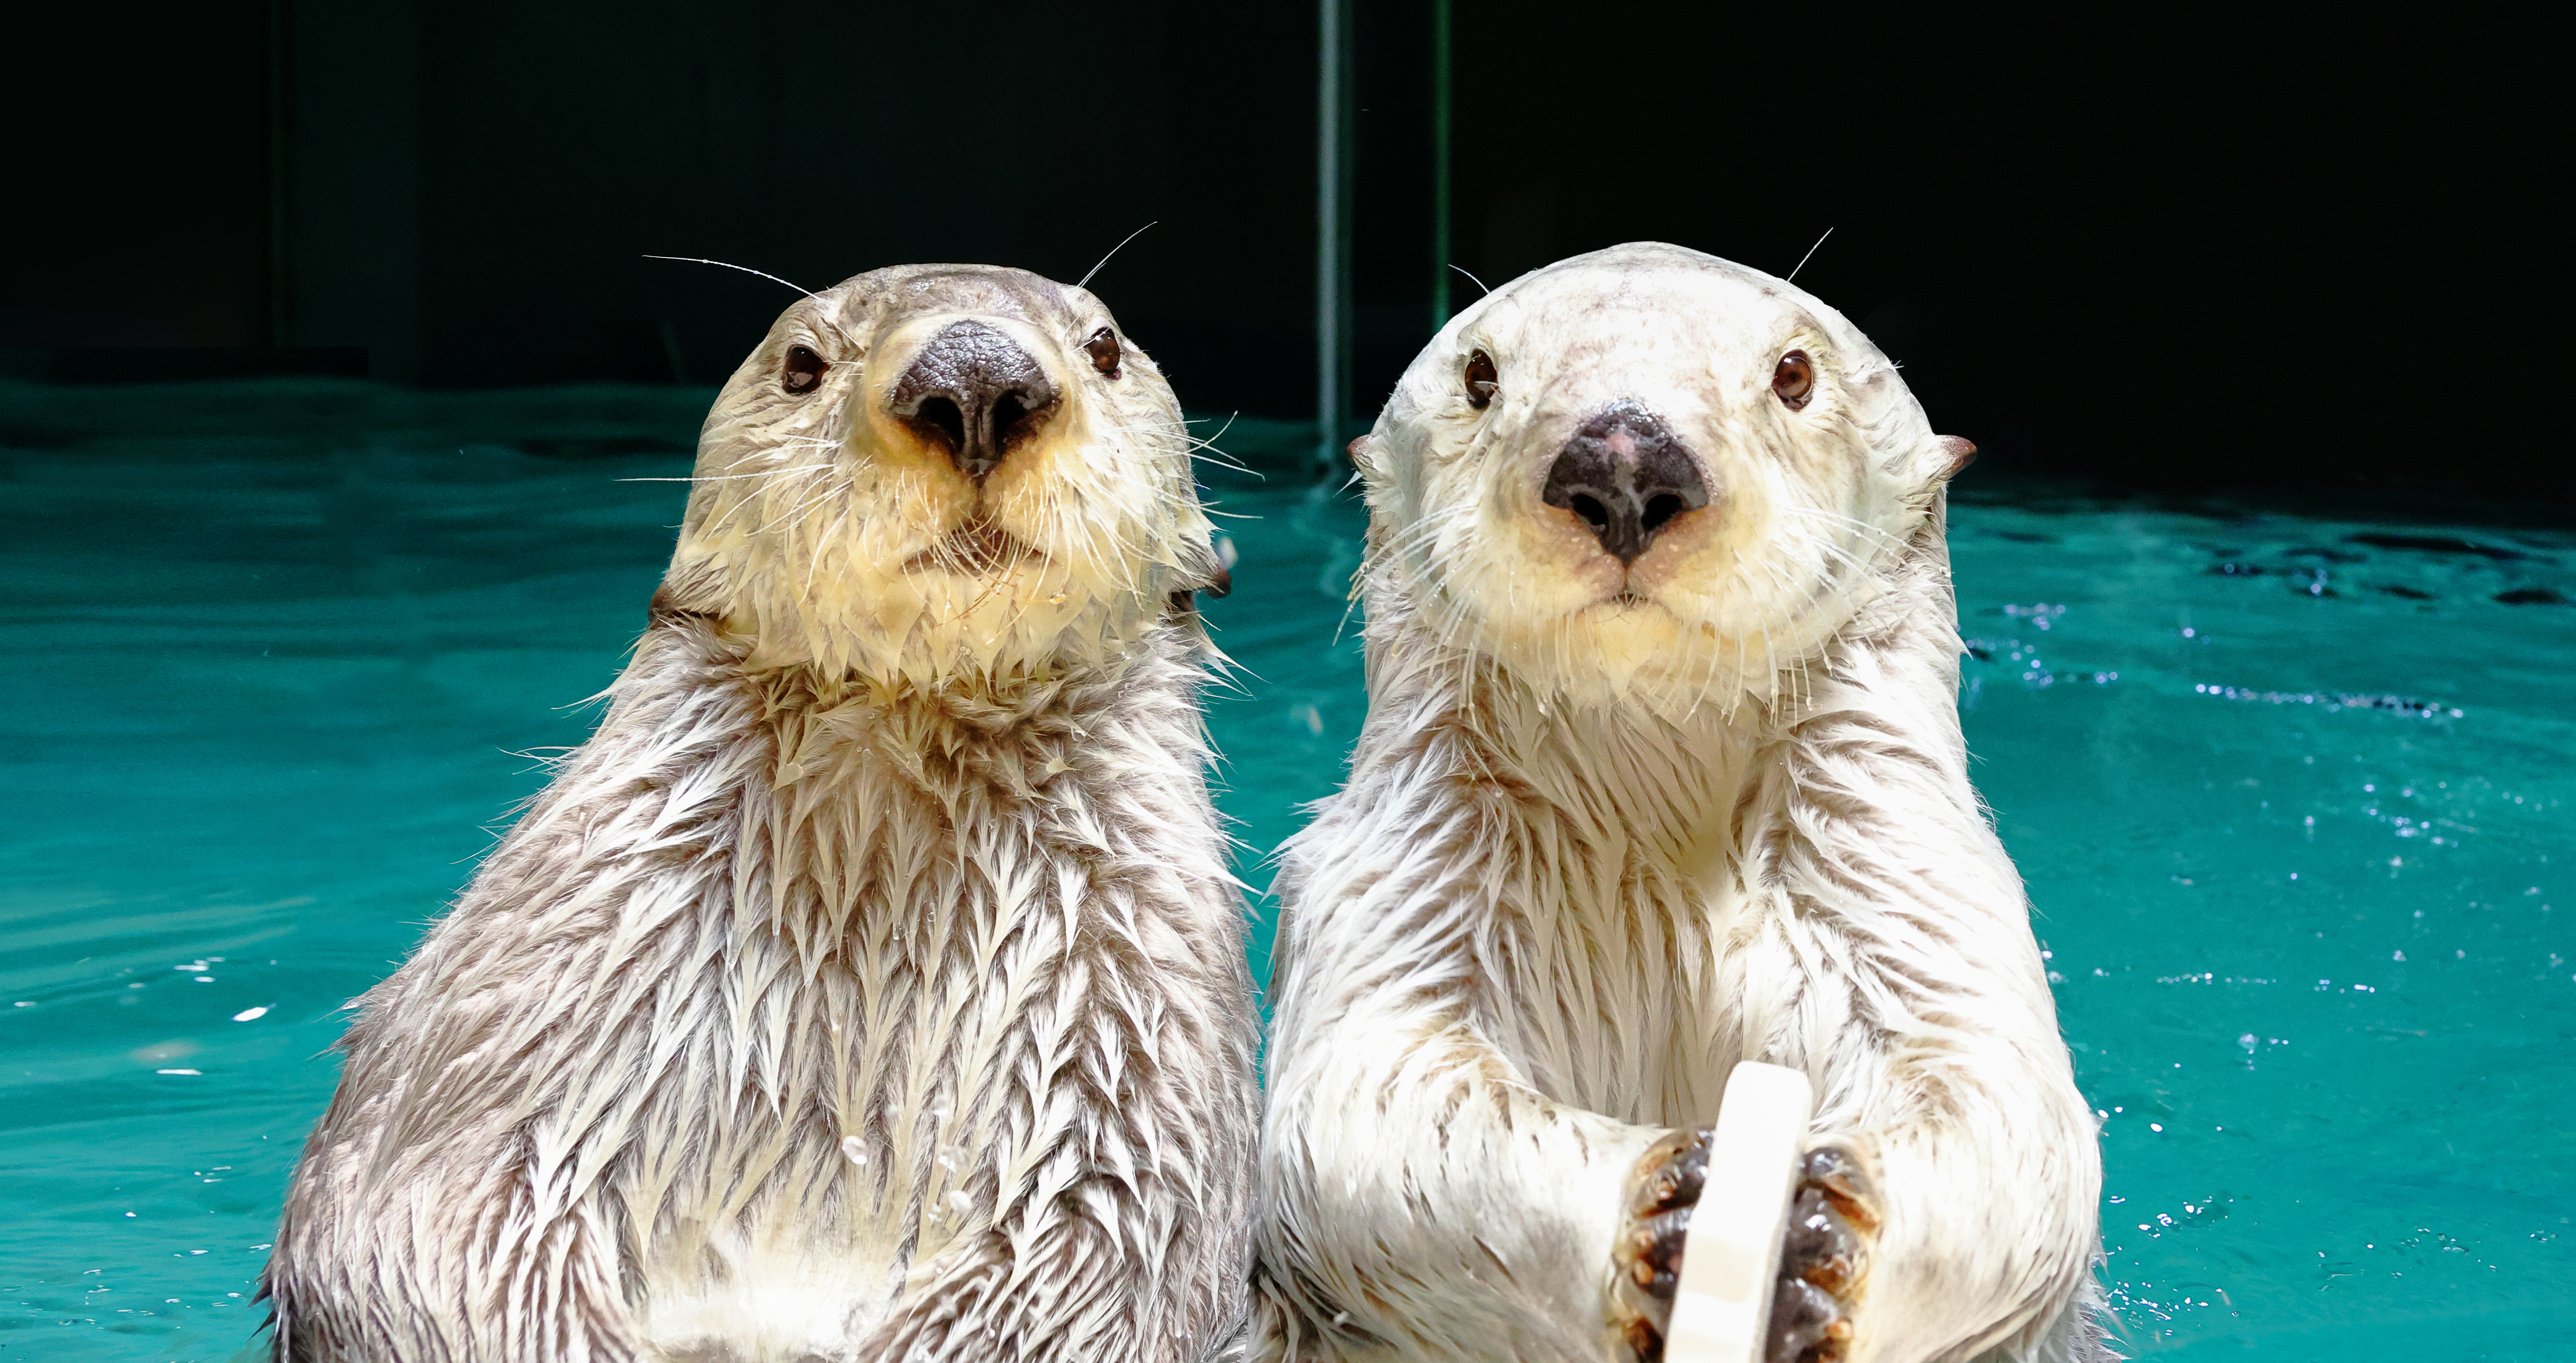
(975, 393)
(1627, 475)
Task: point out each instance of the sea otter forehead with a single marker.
(1652, 315)
(882, 300)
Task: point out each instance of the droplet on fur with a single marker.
(852, 1151)
(959, 1204)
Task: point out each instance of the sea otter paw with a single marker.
(1648, 1255)
(1822, 1258)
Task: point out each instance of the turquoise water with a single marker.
(2291, 796)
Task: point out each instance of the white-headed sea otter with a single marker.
(1662, 771)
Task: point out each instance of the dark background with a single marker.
(2305, 261)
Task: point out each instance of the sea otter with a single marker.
(1662, 771)
(871, 985)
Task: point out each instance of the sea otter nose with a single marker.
(974, 392)
(1627, 476)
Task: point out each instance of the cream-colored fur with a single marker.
(871, 985)
(1610, 830)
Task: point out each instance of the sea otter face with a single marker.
(937, 470)
(1648, 469)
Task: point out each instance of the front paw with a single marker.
(1648, 1255)
(1822, 1259)
(1822, 1256)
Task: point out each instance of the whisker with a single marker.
(727, 264)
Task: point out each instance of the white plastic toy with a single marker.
(1722, 1306)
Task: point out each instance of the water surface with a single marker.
(2290, 794)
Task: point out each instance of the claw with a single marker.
(1840, 1175)
(1646, 1342)
(1677, 1182)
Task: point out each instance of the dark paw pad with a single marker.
(1822, 1259)
(1804, 1318)
(1649, 1251)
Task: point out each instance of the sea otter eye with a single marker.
(1481, 380)
(1104, 352)
(1795, 377)
(803, 370)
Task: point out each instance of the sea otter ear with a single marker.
(1934, 462)
(1368, 457)
(689, 592)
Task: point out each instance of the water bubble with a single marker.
(251, 1014)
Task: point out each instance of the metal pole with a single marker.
(1330, 248)
(1439, 164)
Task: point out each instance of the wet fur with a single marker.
(1585, 863)
(866, 987)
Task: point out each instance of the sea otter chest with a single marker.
(1632, 1018)
(1610, 949)
(878, 1015)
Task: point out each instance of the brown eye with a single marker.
(803, 370)
(1795, 377)
(1481, 380)
(1104, 352)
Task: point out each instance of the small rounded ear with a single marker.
(1363, 452)
(1932, 463)
(1961, 450)
(1204, 564)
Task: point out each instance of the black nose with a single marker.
(973, 390)
(1627, 476)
